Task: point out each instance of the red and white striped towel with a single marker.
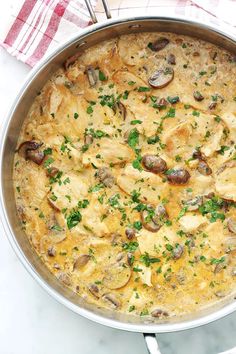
(36, 27)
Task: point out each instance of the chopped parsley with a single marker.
(147, 260)
(47, 151)
(173, 99)
(102, 76)
(48, 162)
(96, 188)
(130, 246)
(133, 138)
(212, 207)
(73, 219)
(144, 89)
(136, 121)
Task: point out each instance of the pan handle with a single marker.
(151, 343)
(92, 13)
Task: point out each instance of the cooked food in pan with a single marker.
(125, 174)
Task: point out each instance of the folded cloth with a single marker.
(35, 27)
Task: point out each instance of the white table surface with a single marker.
(31, 322)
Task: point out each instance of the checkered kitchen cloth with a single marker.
(35, 27)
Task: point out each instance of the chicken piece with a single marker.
(190, 223)
(154, 243)
(147, 183)
(225, 183)
(111, 151)
(68, 194)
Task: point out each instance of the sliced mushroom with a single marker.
(51, 251)
(154, 163)
(162, 103)
(161, 77)
(130, 233)
(204, 168)
(121, 109)
(52, 172)
(104, 175)
(198, 96)
(70, 61)
(92, 76)
(93, 288)
(88, 139)
(117, 276)
(112, 299)
(177, 252)
(231, 224)
(178, 176)
(212, 105)
(81, 261)
(197, 154)
(29, 150)
(153, 219)
(171, 59)
(159, 44)
(194, 203)
(159, 313)
(64, 278)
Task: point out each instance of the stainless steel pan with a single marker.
(35, 81)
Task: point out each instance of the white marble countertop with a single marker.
(31, 322)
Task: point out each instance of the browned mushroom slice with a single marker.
(93, 288)
(159, 313)
(161, 77)
(171, 59)
(159, 44)
(105, 176)
(231, 224)
(70, 61)
(29, 150)
(130, 233)
(52, 172)
(81, 261)
(212, 105)
(117, 276)
(178, 176)
(204, 168)
(154, 163)
(194, 203)
(153, 219)
(198, 96)
(121, 109)
(92, 75)
(51, 251)
(88, 139)
(112, 300)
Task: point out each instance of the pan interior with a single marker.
(17, 237)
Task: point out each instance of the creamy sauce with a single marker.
(127, 191)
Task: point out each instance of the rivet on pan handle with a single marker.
(151, 342)
(92, 13)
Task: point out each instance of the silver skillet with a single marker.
(33, 84)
